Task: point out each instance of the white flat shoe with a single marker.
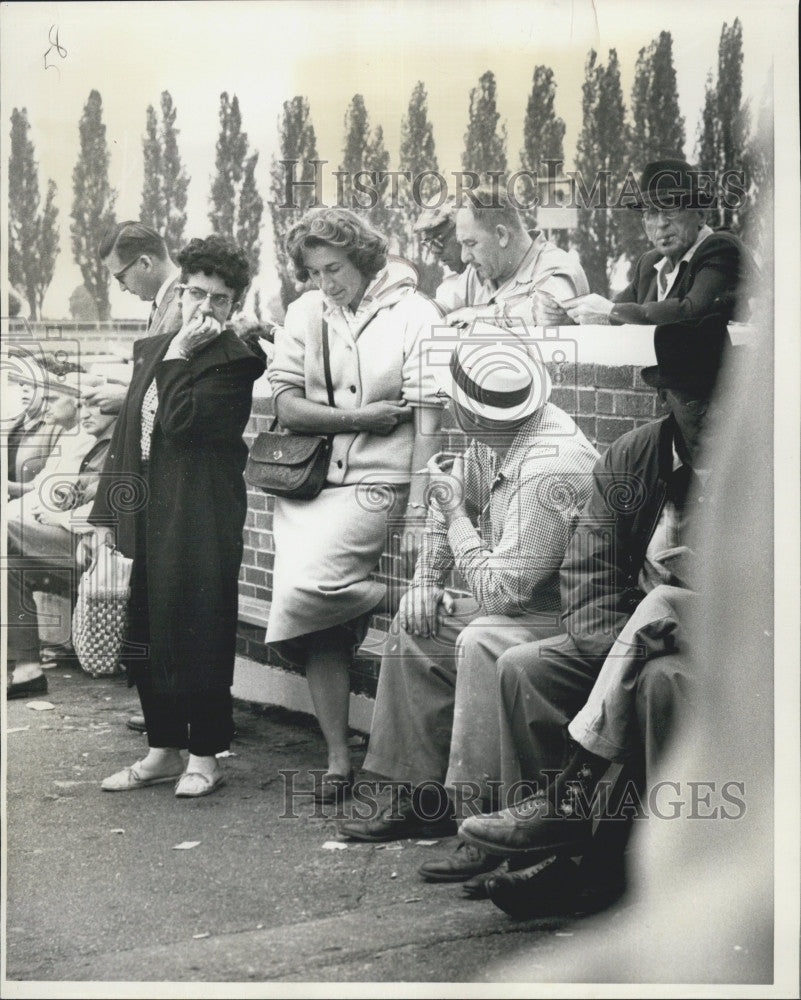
(193, 784)
(129, 778)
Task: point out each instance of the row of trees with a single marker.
(611, 142)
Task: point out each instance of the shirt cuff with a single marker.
(463, 537)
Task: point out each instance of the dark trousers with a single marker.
(200, 721)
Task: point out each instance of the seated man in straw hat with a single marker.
(615, 688)
(502, 515)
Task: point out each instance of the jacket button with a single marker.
(339, 463)
(353, 388)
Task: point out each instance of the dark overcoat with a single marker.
(181, 517)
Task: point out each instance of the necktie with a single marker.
(151, 316)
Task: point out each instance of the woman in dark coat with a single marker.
(172, 493)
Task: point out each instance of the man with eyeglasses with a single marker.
(692, 271)
(137, 257)
(437, 230)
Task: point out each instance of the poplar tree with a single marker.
(32, 234)
(600, 168)
(298, 144)
(364, 150)
(93, 203)
(485, 139)
(724, 130)
(417, 156)
(236, 205)
(543, 135)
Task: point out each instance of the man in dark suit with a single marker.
(692, 272)
(138, 258)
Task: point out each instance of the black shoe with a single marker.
(137, 723)
(58, 655)
(333, 788)
(547, 889)
(24, 689)
(464, 863)
(398, 822)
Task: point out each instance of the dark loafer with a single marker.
(398, 822)
(24, 689)
(464, 863)
(333, 788)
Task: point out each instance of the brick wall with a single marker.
(605, 400)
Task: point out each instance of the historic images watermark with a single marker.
(431, 801)
(525, 189)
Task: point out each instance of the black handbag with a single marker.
(292, 465)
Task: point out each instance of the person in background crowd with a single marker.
(44, 416)
(178, 440)
(138, 259)
(627, 575)
(44, 527)
(385, 424)
(437, 230)
(692, 270)
(505, 517)
(511, 274)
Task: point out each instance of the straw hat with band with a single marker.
(495, 376)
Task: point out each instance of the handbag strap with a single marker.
(327, 363)
(326, 368)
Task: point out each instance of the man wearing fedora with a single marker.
(502, 516)
(43, 529)
(622, 674)
(691, 272)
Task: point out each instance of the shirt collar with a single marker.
(663, 264)
(159, 297)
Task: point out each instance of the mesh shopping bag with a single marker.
(100, 619)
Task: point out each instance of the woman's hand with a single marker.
(191, 338)
(383, 416)
(90, 542)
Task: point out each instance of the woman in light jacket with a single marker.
(385, 425)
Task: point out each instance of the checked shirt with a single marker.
(522, 510)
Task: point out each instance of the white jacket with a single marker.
(375, 355)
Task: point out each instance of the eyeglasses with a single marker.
(119, 275)
(219, 300)
(652, 214)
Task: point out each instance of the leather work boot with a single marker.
(460, 865)
(558, 822)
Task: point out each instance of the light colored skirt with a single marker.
(325, 550)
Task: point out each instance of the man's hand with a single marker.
(412, 540)
(383, 416)
(108, 396)
(588, 309)
(446, 485)
(548, 311)
(467, 315)
(418, 612)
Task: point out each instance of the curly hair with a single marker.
(366, 249)
(219, 256)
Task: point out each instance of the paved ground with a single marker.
(96, 890)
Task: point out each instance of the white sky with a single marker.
(268, 52)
